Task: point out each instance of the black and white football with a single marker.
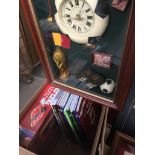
(108, 86)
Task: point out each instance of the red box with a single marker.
(37, 116)
(102, 59)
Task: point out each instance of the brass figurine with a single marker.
(59, 59)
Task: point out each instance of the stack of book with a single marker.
(76, 116)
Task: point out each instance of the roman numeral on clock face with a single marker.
(68, 9)
(69, 21)
(89, 17)
(77, 2)
(79, 29)
(83, 4)
(87, 10)
(88, 23)
(68, 16)
(74, 27)
(71, 4)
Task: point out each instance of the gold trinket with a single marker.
(49, 19)
(59, 59)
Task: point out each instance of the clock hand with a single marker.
(82, 5)
(64, 16)
(70, 17)
(79, 17)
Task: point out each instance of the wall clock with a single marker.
(79, 20)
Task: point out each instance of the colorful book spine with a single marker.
(87, 114)
(54, 98)
(75, 123)
(76, 116)
(61, 110)
(59, 106)
(81, 130)
(51, 91)
(70, 119)
(58, 119)
(72, 109)
(82, 104)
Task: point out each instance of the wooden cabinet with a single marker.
(54, 139)
(117, 42)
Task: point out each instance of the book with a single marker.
(75, 123)
(87, 114)
(53, 99)
(59, 106)
(49, 93)
(54, 96)
(70, 119)
(83, 133)
(78, 128)
(72, 109)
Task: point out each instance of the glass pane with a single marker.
(31, 77)
(68, 26)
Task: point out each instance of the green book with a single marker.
(78, 128)
(70, 119)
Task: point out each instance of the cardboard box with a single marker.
(36, 118)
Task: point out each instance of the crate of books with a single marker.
(76, 116)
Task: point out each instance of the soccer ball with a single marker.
(108, 86)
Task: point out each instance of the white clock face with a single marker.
(77, 15)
